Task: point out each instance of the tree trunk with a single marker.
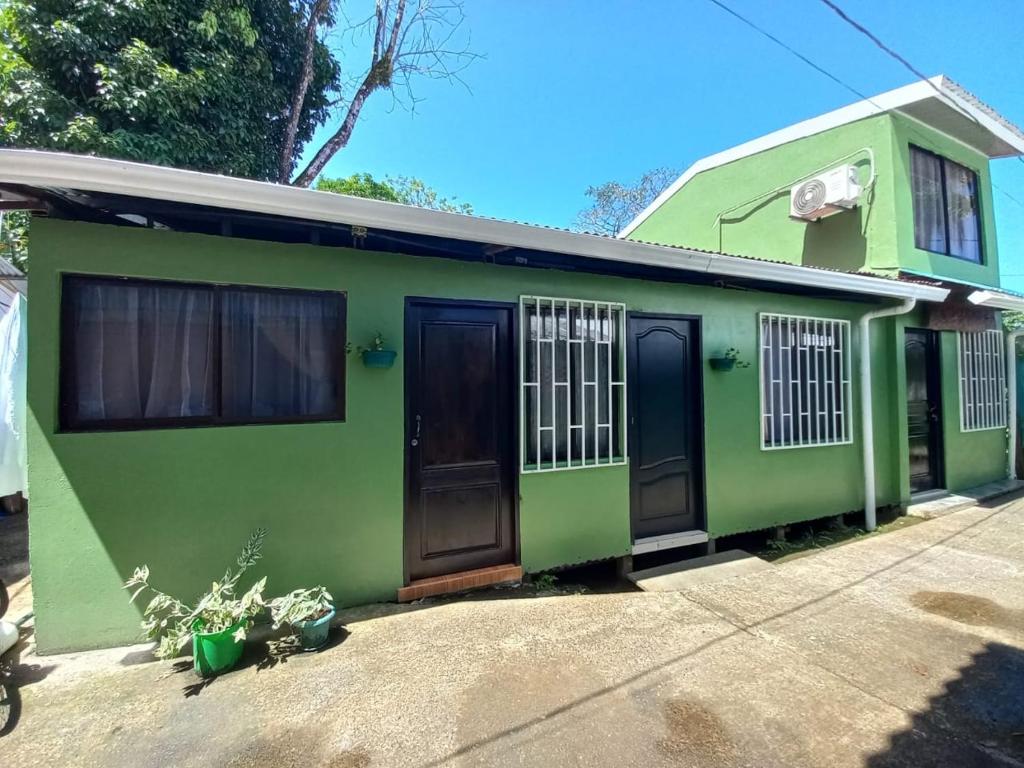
(380, 75)
(318, 9)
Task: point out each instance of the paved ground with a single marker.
(901, 649)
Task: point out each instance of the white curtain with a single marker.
(280, 354)
(929, 209)
(962, 196)
(141, 351)
(13, 335)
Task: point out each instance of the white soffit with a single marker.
(997, 300)
(955, 111)
(57, 171)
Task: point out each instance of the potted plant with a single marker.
(308, 611)
(216, 624)
(376, 355)
(727, 360)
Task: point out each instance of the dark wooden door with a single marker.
(924, 410)
(460, 470)
(664, 425)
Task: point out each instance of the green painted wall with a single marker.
(907, 131)
(331, 494)
(877, 236)
(863, 238)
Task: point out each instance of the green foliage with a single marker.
(734, 354)
(545, 582)
(14, 237)
(201, 84)
(300, 605)
(393, 189)
(172, 622)
(359, 185)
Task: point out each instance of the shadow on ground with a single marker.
(977, 721)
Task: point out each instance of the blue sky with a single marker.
(573, 93)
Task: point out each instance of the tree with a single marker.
(411, 39)
(393, 189)
(201, 84)
(14, 238)
(616, 204)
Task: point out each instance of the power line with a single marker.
(794, 52)
(874, 39)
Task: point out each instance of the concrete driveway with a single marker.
(900, 649)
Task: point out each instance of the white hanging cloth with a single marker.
(13, 348)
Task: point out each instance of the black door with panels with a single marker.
(924, 410)
(665, 432)
(460, 469)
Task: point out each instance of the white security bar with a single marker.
(806, 392)
(982, 370)
(573, 383)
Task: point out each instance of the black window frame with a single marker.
(943, 160)
(67, 379)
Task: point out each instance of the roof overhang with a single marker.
(44, 172)
(938, 102)
(997, 300)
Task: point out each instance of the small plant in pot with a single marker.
(216, 624)
(728, 360)
(308, 611)
(376, 355)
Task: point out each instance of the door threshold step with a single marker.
(669, 541)
(932, 504)
(673, 577)
(460, 582)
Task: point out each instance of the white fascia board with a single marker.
(62, 171)
(886, 102)
(997, 300)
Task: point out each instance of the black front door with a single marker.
(459, 438)
(664, 425)
(924, 410)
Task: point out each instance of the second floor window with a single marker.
(946, 216)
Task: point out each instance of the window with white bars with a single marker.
(805, 381)
(573, 376)
(982, 380)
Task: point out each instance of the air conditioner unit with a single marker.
(830, 192)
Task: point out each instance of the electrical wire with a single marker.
(793, 51)
(874, 39)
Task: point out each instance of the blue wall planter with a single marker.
(379, 358)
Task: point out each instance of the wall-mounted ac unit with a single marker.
(830, 192)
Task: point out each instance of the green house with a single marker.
(201, 363)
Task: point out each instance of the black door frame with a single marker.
(937, 431)
(408, 433)
(700, 493)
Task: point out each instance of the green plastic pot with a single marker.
(216, 652)
(379, 358)
(722, 363)
(314, 634)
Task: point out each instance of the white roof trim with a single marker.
(886, 102)
(997, 300)
(62, 171)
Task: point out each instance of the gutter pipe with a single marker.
(1011, 396)
(866, 410)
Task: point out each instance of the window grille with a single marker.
(573, 384)
(982, 380)
(805, 382)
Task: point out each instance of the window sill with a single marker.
(563, 466)
(965, 259)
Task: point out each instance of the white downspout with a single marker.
(1011, 395)
(866, 415)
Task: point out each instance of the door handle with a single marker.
(416, 439)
